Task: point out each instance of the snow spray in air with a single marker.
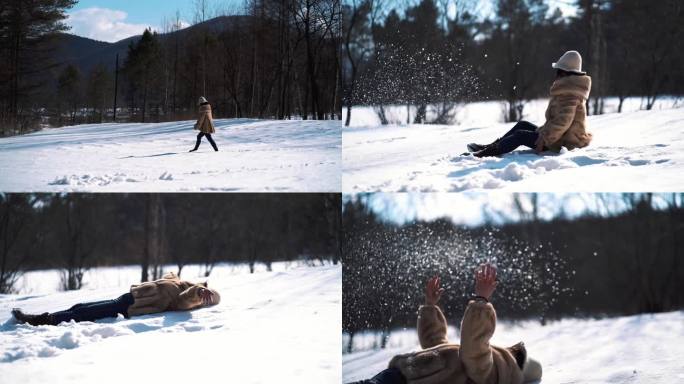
(385, 269)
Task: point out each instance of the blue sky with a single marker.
(141, 11)
(114, 20)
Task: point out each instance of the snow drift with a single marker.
(631, 151)
(269, 325)
(631, 349)
(254, 156)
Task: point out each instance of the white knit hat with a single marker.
(571, 61)
(216, 297)
(532, 370)
(202, 100)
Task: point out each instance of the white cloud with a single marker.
(103, 24)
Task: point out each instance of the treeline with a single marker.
(74, 232)
(594, 265)
(268, 59)
(436, 54)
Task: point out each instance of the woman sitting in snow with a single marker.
(474, 360)
(205, 124)
(169, 293)
(565, 115)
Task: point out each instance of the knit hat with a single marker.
(202, 100)
(532, 370)
(216, 298)
(571, 61)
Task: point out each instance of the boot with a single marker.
(197, 144)
(489, 151)
(42, 319)
(474, 147)
(212, 142)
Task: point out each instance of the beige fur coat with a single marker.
(566, 114)
(205, 121)
(473, 361)
(169, 293)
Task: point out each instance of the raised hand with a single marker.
(432, 291)
(485, 280)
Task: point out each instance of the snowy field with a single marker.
(268, 326)
(254, 156)
(631, 151)
(633, 349)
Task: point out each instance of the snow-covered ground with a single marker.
(631, 151)
(254, 156)
(632, 349)
(268, 326)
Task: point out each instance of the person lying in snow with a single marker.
(474, 360)
(565, 115)
(205, 124)
(169, 293)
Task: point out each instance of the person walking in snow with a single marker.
(169, 293)
(205, 124)
(565, 116)
(474, 360)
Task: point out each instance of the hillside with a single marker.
(85, 53)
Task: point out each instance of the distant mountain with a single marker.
(85, 53)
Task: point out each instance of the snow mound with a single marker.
(287, 321)
(635, 151)
(254, 156)
(631, 349)
(91, 180)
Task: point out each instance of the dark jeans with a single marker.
(199, 140)
(388, 376)
(95, 310)
(522, 133)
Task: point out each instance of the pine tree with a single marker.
(142, 68)
(25, 27)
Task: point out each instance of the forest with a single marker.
(271, 59)
(78, 231)
(618, 263)
(439, 54)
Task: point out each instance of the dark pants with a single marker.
(95, 310)
(199, 140)
(388, 376)
(522, 133)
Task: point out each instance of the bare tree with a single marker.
(14, 221)
(155, 216)
(78, 242)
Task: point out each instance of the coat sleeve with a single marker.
(190, 298)
(432, 326)
(477, 328)
(560, 121)
(200, 120)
